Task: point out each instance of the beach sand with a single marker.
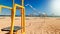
(34, 25)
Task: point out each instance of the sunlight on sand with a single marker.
(34, 25)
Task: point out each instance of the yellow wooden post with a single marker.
(23, 18)
(0, 9)
(22, 2)
(1, 6)
(12, 16)
(13, 19)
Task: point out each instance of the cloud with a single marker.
(34, 9)
(31, 7)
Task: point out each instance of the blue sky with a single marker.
(42, 6)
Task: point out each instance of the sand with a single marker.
(34, 25)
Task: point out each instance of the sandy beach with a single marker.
(34, 25)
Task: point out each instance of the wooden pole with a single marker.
(13, 18)
(22, 2)
(23, 18)
(0, 9)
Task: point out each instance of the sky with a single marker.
(34, 6)
(55, 7)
